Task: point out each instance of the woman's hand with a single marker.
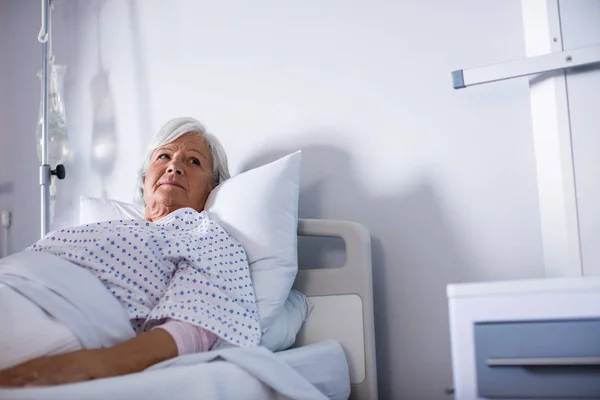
(131, 356)
(80, 365)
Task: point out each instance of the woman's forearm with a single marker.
(132, 356)
(138, 353)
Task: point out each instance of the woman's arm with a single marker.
(189, 338)
(131, 356)
(138, 353)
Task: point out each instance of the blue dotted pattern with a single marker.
(185, 266)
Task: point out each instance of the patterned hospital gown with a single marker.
(183, 266)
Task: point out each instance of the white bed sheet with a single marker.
(322, 364)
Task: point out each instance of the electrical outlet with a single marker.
(6, 187)
(5, 218)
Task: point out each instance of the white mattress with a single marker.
(324, 365)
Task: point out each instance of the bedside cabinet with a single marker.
(530, 339)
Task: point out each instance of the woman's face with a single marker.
(179, 175)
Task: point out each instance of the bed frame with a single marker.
(343, 302)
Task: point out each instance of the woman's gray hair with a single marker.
(170, 132)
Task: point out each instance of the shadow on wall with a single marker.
(141, 75)
(415, 254)
(66, 42)
(101, 130)
(104, 145)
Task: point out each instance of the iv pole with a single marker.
(45, 170)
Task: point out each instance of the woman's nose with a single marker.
(174, 169)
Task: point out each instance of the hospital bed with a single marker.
(343, 303)
(334, 350)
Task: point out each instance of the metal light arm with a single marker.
(527, 66)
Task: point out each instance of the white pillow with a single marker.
(92, 209)
(259, 208)
(282, 332)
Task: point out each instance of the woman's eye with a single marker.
(163, 157)
(195, 161)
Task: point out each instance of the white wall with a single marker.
(580, 28)
(444, 179)
(3, 185)
(20, 57)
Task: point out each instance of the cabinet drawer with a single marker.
(538, 359)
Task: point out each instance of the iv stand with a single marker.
(45, 170)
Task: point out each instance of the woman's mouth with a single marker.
(172, 183)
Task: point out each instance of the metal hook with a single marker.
(43, 35)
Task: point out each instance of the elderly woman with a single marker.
(116, 297)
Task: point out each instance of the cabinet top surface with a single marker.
(482, 289)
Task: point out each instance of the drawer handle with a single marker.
(543, 361)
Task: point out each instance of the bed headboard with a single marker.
(343, 302)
